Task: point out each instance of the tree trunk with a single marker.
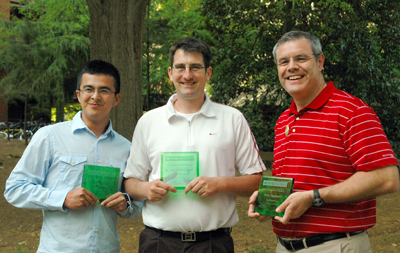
(116, 36)
(60, 110)
(288, 22)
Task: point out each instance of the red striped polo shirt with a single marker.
(324, 144)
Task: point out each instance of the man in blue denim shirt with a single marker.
(49, 174)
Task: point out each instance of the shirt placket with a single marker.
(97, 207)
(190, 136)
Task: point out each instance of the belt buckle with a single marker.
(188, 237)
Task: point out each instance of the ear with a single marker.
(117, 99)
(170, 74)
(209, 73)
(321, 61)
(78, 95)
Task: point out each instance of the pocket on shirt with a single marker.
(71, 169)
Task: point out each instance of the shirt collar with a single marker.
(78, 124)
(318, 102)
(206, 109)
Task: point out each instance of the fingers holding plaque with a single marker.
(179, 168)
(273, 192)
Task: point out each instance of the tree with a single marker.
(43, 51)
(359, 39)
(31, 68)
(116, 29)
(168, 21)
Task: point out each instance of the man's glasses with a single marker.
(301, 58)
(102, 91)
(182, 68)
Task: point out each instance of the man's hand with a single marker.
(251, 213)
(203, 186)
(116, 202)
(295, 206)
(80, 198)
(157, 190)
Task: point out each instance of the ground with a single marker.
(20, 228)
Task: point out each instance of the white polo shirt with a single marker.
(224, 141)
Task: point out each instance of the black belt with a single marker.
(193, 236)
(293, 245)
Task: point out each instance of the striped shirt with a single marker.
(324, 144)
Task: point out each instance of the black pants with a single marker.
(152, 242)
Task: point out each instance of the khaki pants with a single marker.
(355, 244)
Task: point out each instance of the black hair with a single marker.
(100, 67)
(190, 44)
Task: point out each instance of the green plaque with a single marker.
(102, 181)
(273, 192)
(179, 168)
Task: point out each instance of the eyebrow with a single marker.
(91, 86)
(191, 65)
(297, 55)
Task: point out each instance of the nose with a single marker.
(292, 65)
(95, 95)
(187, 74)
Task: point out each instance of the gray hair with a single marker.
(295, 35)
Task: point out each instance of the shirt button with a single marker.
(98, 161)
(96, 230)
(294, 130)
(297, 118)
(73, 162)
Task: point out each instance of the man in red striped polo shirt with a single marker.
(333, 145)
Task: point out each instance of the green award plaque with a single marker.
(179, 168)
(273, 192)
(102, 181)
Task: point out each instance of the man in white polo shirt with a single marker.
(199, 217)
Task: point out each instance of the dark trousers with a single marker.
(151, 241)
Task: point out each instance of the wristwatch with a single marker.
(317, 201)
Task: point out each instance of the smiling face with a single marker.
(189, 85)
(95, 108)
(299, 71)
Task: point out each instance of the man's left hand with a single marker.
(295, 206)
(203, 186)
(116, 202)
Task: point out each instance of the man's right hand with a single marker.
(157, 189)
(252, 204)
(80, 198)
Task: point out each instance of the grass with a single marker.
(260, 249)
(18, 250)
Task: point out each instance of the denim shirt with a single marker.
(51, 166)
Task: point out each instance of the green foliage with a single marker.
(69, 112)
(168, 21)
(37, 57)
(359, 39)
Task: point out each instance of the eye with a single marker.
(301, 59)
(180, 68)
(88, 90)
(283, 62)
(195, 68)
(104, 91)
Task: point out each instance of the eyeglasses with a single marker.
(104, 92)
(301, 58)
(182, 68)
